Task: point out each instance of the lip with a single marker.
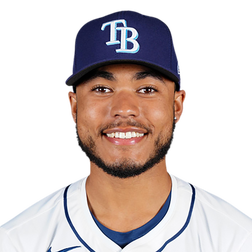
(119, 141)
(124, 129)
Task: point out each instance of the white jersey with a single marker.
(196, 222)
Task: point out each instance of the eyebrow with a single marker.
(106, 75)
(110, 76)
(100, 74)
(144, 74)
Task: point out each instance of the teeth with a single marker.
(125, 135)
(133, 134)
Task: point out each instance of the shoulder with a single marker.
(37, 219)
(209, 203)
(219, 208)
(215, 221)
(223, 221)
(37, 210)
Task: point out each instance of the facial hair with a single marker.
(126, 167)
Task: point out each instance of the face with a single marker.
(125, 118)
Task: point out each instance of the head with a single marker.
(125, 99)
(124, 117)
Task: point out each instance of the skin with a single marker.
(126, 93)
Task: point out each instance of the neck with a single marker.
(126, 204)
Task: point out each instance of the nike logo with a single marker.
(63, 250)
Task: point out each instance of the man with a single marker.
(126, 102)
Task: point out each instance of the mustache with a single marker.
(125, 124)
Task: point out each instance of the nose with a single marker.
(124, 105)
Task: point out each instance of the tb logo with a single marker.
(124, 40)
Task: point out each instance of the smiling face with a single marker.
(125, 117)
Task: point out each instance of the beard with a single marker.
(126, 167)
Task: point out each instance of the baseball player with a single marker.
(126, 101)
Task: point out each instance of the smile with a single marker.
(124, 135)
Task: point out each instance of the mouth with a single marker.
(125, 136)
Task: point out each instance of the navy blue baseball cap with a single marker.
(124, 37)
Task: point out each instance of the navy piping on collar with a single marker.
(186, 223)
(161, 249)
(71, 224)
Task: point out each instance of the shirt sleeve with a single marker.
(247, 245)
(5, 243)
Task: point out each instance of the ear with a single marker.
(73, 103)
(178, 103)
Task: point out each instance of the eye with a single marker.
(101, 89)
(147, 90)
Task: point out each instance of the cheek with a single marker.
(90, 115)
(160, 114)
